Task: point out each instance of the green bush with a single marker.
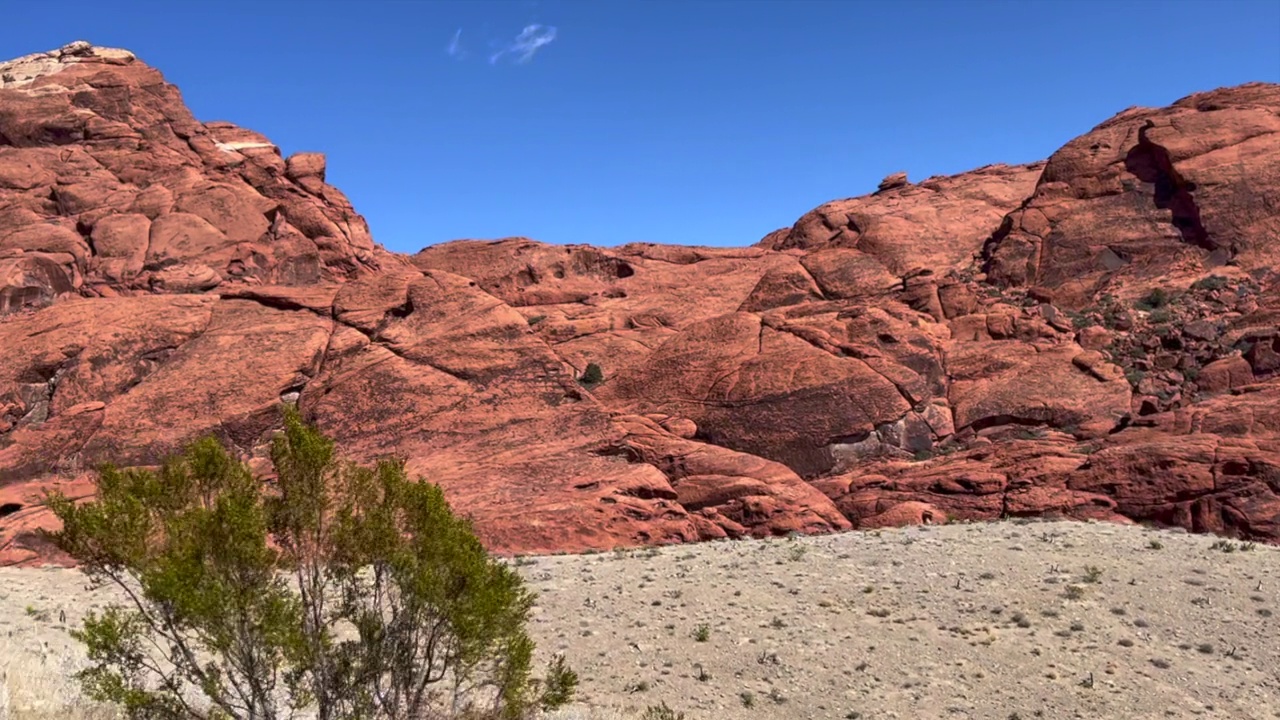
(1213, 282)
(1155, 299)
(592, 375)
(351, 590)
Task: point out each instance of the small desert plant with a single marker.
(748, 699)
(1213, 282)
(1155, 299)
(236, 595)
(592, 375)
(1155, 544)
(37, 614)
(661, 712)
(1092, 574)
(1225, 546)
(1080, 321)
(702, 633)
(1074, 592)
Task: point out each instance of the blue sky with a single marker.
(666, 121)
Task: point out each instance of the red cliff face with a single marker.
(1096, 336)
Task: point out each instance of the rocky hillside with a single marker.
(1095, 336)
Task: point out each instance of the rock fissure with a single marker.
(1150, 163)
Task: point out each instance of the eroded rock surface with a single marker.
(1097, 336)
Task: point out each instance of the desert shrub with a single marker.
(1225, 546)
(1155, 299)
(661, 712)
(1080, 321)
(1213, 282)
(592, 375)
(352, 590)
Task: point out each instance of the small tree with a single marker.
(592, 375)
(351, 590)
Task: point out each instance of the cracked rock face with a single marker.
(1097, 336)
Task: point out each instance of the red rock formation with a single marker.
(1095, 337)
(1151, 197)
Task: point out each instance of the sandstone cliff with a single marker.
(1093, 336)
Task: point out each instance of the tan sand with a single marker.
(1002, 621)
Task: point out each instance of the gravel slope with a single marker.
(1002, 621)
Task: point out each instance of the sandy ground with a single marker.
(1003, 621)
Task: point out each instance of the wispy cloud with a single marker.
(530, 40)
(455, 45)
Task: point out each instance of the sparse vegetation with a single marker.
(661, 712)
(602, 606)
(1225, 546)
(702, 633)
